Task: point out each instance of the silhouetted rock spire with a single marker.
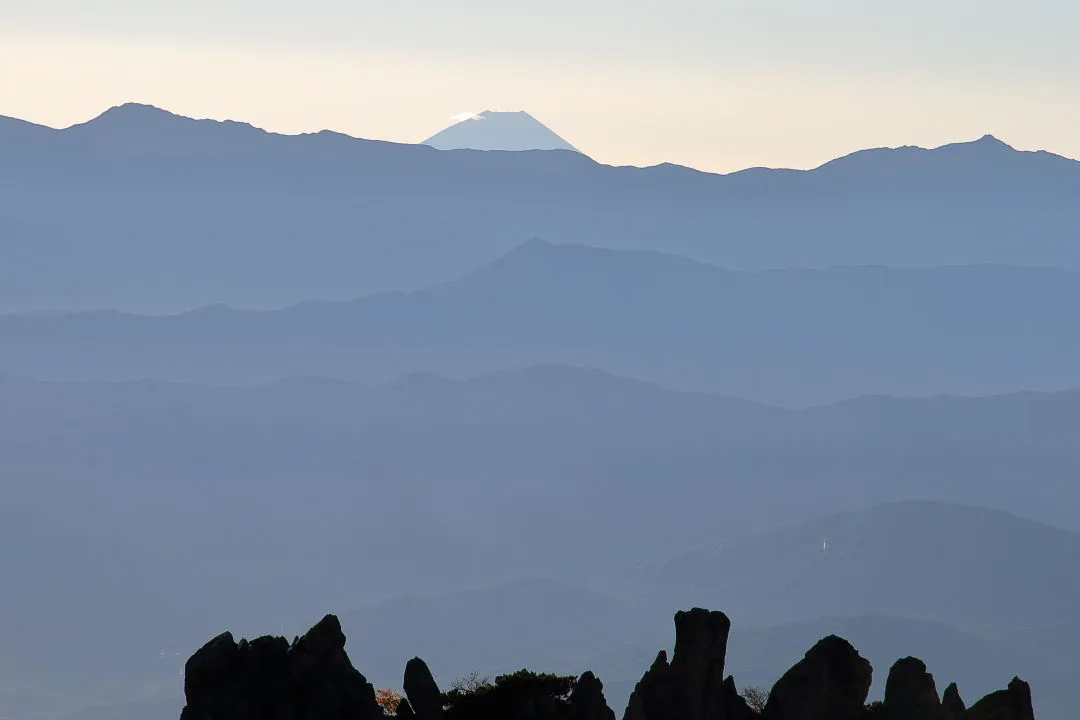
(952, 704)
(422, 691)
(652, 698)
(692, 687)
(697, 668)
(910, 692)
(587, 701)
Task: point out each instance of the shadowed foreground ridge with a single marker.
(313, 679)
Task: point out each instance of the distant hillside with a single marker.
(914, 559)
(146, 211)
(437, 446)
(789, 337)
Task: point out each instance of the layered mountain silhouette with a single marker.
(137, 492)
(790, 337)
(245, 376)
(146, 211)
(492, 130)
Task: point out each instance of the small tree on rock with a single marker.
(755, 697)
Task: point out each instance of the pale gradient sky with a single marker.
(718, 85)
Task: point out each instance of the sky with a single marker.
(718, 85)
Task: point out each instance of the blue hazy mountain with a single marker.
(858, 562)
(790, 337)
(491, 130)
(105, 485)
(146, 211)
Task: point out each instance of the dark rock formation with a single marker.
(952, 704)
(830, 683)
(697, 668)
(313, 679)
(735, 706)
(910, 692)
(422, 691)
(653, 696)
(635, 706)
(404, 710)
(1013, 703)
(267, 679)
(247, 680)
(587, 701)
(692, 686)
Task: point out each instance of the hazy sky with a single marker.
(718, 85)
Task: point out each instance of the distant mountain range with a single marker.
(491, 130)
(791, 337)
(133, 492)
(247, 378)
(146, 211)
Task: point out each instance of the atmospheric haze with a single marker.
(512, 388)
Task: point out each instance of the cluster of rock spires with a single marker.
(313, 679)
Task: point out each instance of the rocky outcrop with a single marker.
(313, 679)
(697, 668)
(587, 701)
(692, 686)
(735, 706)
(267, 679)
(422, 691)
(653, 696)
(1013, 703)
(952, 705)
(830, 683)
(910, 692)
(247, 680)
(404, 710)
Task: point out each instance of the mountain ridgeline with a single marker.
(313, 679)
(790, 337)
(145, 211)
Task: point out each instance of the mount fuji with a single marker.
(492, 130)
